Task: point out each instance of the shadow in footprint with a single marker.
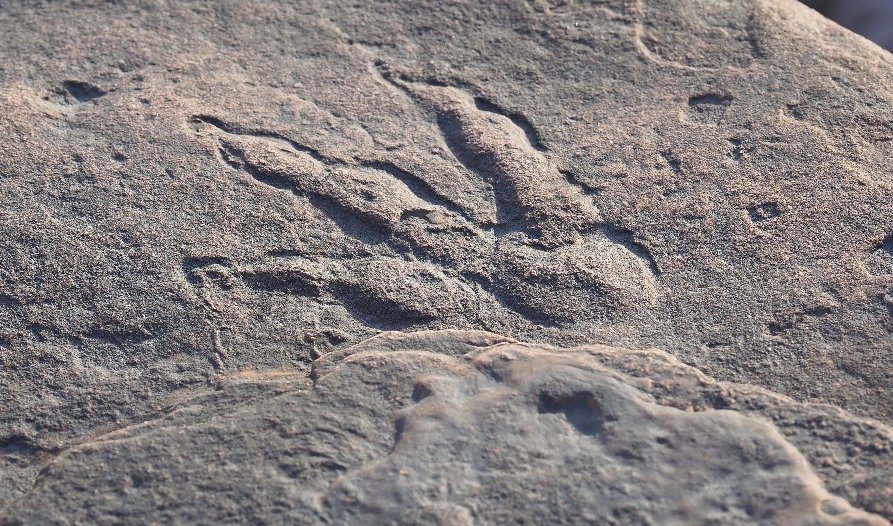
(581, 409)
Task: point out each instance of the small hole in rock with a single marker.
(763, 212)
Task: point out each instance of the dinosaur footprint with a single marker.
(550, 258)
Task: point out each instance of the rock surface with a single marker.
(468, 427)
(232, 193)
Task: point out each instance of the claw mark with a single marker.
(637, 9)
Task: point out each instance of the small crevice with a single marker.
(710, 99)
(19, 445)
(672, 161)
(80, 91)
(763, 212)
(794, 111)
(399, 431)
(119, 338)
(410, 214)
(737, 151)
(283, 280)
(378, 312)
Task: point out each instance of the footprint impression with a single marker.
(550, 258)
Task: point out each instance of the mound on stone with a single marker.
(469, 428)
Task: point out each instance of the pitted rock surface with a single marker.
(192, 192)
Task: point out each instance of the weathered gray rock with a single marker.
(410, 429)
(190, 191)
